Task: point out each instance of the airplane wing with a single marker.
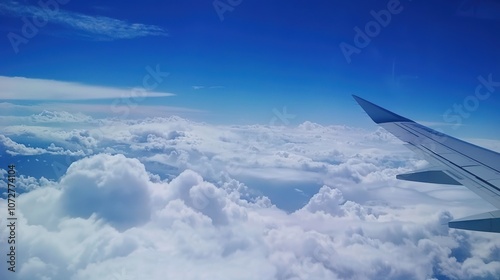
(453, 161)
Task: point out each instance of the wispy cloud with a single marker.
(20, 88)
(206, 87)
(95, 27)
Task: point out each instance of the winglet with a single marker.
(429, 176)
(488, 222)
(379, 114)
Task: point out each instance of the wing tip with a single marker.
(486, 222)
(379, 114)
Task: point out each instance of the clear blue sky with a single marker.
(270, 54)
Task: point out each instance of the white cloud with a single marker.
(47, 116)
(328, 200)
(20, 88)
(111, 187)
(106, 217)
(206, 87)
(110, 215)
(23, 183)
(95, 27)
(15, 148)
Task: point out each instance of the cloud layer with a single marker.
(107, 219)
(170, 198)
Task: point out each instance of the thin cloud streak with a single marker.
(206, 87)
(95, 27)
(21, 88)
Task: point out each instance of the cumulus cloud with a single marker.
(327, 200)
(23, 183)
(209, 201)
(59, 117)
(14, 148)
(106, 218)
(112, 188)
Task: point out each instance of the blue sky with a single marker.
(263, 56)
(220, 137)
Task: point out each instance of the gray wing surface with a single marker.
(453, 161)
